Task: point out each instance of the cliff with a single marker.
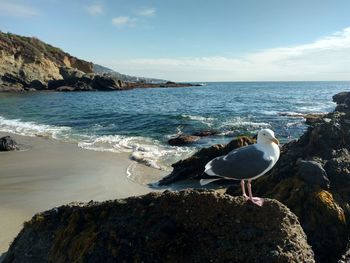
(186, 226)
(29, 64)
(27, 59)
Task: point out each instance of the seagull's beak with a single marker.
(275, 141)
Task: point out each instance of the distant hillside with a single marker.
(29, 64)
(127, 78)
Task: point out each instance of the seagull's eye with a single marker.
(264, 134)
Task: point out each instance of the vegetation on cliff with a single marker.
(33, 50)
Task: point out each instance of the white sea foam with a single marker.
(205, 120)
(293, 124)
(28, 128)
(299, 114)
(143, 150)
(239, 122)
(268, 112)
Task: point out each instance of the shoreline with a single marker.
(50, 173)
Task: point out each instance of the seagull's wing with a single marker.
(243, 163)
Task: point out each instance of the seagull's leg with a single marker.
(243, 190)
(255, 200)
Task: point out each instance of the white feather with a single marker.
(207, 181)
(208, 169)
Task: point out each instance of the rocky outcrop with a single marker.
(169, 84)
(183, 140)
(8, 144)
(205, 133)
(193, 167)
(186, 226)
(312, 177)
(313, 173)
(27, 59)
(75, 80)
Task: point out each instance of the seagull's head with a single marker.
(267, 136)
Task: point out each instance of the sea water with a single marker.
(141, 121)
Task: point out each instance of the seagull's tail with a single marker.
(207, 181)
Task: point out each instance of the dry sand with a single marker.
(51, 173)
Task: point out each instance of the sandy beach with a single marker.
(50, 173)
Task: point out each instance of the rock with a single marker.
(105, 83)
(6, 87)
(313, 173)
(193, 167)
(205, 133)
(54, 84)
(183, 140)
(65, 88)
(343, 101)
(70, 74)
(310, 118)
(75, 80)
(186, 226)
(345, 258)
(10, 78)
(314, 118)
(323, 213)
(8, 144)
(37, 85)
(27, 59)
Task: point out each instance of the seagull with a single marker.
(246, 163)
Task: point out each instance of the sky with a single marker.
(192, 40)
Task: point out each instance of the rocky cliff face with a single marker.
(25, 59)
(187, 226)
(312, 177)
(28, 64)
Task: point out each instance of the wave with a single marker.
(143, 150)
(28, 128)
(294, 124)
(291, 114)
(239, 122)
(205, 120)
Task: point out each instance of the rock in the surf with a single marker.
(7, 143)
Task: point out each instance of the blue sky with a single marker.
(224, 40)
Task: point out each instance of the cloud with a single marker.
(121, 21)
(146, 12)
(129, 21)
(327, 58)
(95, 9)
(17, 9)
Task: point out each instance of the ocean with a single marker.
(141, 121)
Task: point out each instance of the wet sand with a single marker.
(51, 173)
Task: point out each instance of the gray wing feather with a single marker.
(243, 163)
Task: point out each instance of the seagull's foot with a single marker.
(246, 197)
(257, 200)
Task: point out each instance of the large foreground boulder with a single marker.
(187, 226)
